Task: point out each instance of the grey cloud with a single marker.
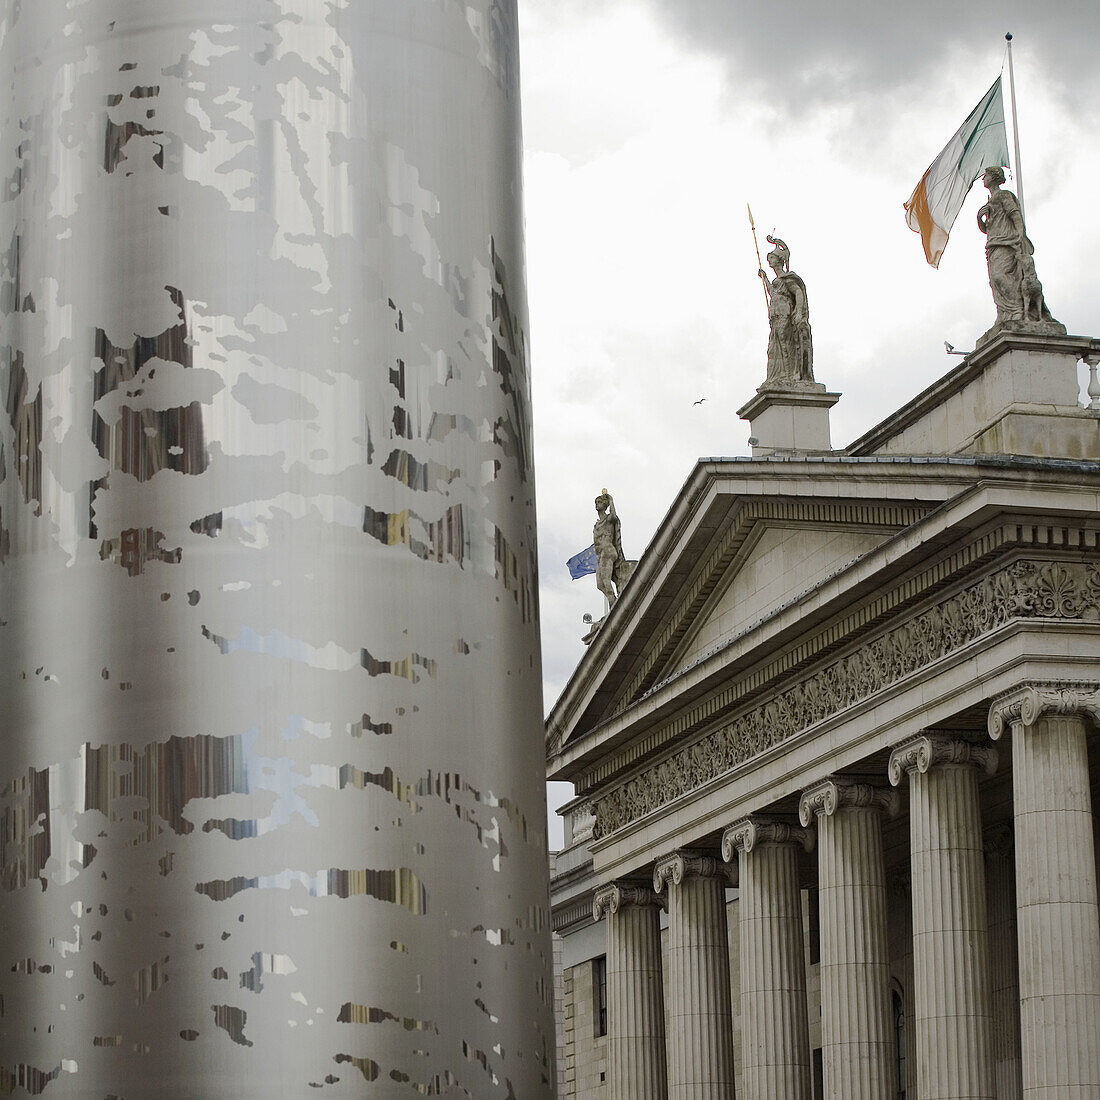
(800, 53)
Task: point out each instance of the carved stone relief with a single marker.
(1022, 590)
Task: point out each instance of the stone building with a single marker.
(834, 751)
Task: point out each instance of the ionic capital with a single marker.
(685, 863)
(828, 796)
(1026, 704)
(927, 751)
(746, 834)
(619, 895)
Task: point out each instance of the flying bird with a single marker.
(700, 401)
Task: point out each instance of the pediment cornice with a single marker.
(619, 686)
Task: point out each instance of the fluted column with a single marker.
(1056, 897)
(775, 1041)
(900, 891)
(953, 1040)
(700, 1020)
(857, 1039)
(635, 998)
(1003, 969)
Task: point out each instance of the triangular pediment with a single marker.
(778, 561)
(733, 552)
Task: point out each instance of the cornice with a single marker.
(832, 794)
(753, 832)
(929, 751)
(1026, 704)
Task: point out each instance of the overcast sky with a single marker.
(649, 124)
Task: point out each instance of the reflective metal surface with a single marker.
(271, 806)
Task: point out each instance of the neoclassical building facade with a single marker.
(834, 753)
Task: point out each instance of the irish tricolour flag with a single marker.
(980, 143)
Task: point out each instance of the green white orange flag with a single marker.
(981, 142)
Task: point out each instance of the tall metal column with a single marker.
(271, 815)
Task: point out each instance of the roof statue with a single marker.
(1017, 292)
(612, 568)
(790, 345)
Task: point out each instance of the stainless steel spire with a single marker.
(271, 807)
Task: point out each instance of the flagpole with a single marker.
(1015, 128)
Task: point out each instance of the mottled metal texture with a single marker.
(271, 806)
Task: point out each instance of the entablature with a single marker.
(626, 672)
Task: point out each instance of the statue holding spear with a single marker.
(790, 343)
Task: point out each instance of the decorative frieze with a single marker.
(1022, 590)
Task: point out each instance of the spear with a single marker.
(759, 262)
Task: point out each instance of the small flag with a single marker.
(980, 143)
(580, 565)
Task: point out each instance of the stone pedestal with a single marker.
(700, 1020)
(1056, 891)
(857, 1040)
(1017, 393)
(635, 1000)
(775, 1042)
(789, 418)
(1003, 969)
(954, 1025)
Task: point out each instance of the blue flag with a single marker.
(580, 565)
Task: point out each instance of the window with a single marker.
(899, 1042)
(599, 994)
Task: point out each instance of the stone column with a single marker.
(1003, 968)
(775, 1041)
(901, 901)
(953, 1040)
(635, 998)
(700, 1021)
(1058, 930)
(857, 1035)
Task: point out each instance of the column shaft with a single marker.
(700, 1019)
(1003, 968)
(775, 1045)
(1059, 935)
(953, 1044)
(856, 1033)
(635, 1005)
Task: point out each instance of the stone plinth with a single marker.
(1016, 394)
(789, 418)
